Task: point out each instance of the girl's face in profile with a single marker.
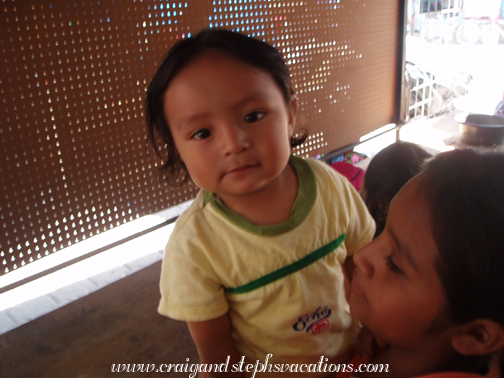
(396, 291)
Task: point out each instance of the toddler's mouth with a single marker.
(242, 168)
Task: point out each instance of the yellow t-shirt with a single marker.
(282, 285)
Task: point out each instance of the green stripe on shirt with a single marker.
(289, 269)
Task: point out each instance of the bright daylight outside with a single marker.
(454, 65)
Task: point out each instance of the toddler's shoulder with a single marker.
(327, 177)
(185, 222)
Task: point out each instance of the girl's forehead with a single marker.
(414, 191)
(410, 216)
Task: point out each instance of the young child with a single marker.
(254, 266)
(387, 172)
(430, 286)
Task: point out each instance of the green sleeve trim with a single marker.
(289, 269)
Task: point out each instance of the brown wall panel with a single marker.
(72, 129)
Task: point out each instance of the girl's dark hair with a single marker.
(465, 193)
(386, 174)
(245, 49)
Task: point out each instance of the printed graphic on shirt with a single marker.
(315, 322)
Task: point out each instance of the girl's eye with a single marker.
(254, 117)
(201, 134)
(392, 266)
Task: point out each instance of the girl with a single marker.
(430, 286)
(387, 172)
(255, 264)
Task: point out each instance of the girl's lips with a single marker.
(355, 289)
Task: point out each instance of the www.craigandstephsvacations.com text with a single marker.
(259, 367)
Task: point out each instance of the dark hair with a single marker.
(245, 49)
(386, 174)
(465, 193)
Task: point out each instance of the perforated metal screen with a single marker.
(73, 81)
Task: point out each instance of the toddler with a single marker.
(254, 266)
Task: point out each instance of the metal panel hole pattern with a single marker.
(75, 161)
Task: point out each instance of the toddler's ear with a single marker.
(293, 106)
(479, 337)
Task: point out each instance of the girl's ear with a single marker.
(383, 204)
(479, 337)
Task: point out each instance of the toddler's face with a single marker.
(396, 291)
(230, 124)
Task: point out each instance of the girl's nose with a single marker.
(363, 260)
(233, 140)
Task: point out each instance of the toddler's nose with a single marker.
(234, 140)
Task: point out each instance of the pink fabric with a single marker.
(354, 174)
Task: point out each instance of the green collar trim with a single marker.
(289, 269)
(307, 194)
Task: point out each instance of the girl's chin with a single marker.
(357, 313)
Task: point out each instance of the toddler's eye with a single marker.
(392, 266)
(254, 117)
(201, 134)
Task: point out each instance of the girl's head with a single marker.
(465, 192)
(387, 172)
(431, 284)
(248, 51)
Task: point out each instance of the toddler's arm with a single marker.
(214, 343)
